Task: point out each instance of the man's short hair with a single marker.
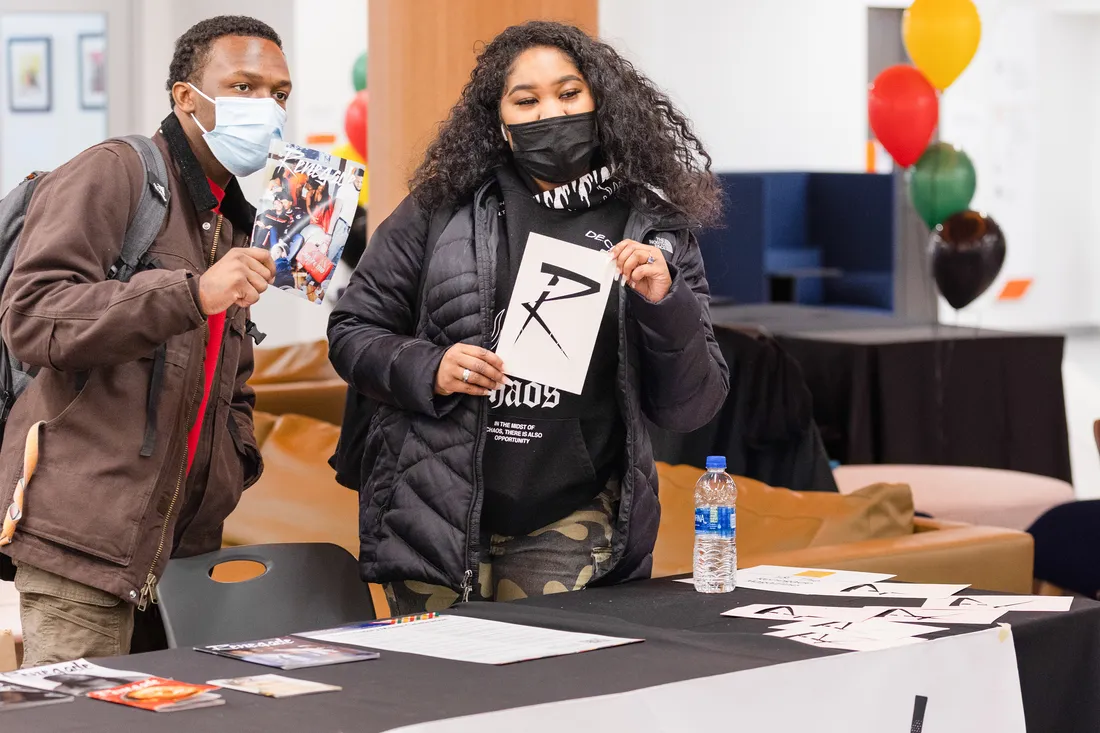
(193, 47)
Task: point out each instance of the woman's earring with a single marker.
(503, 132)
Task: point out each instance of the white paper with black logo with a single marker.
(555, 312)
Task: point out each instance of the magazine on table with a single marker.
(274, 685)
(305, 215)
(71, 678)
(288, 652)
(159, 695)
(15, 697)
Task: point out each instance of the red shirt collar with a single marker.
(219, 193)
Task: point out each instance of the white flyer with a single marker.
(875, 628)
(966, 615)
(842, 641)
(465, 639)
(1044, 604)
(555, 312)
(784, 612)
(939, 593)
(803, 580)
(77, 678)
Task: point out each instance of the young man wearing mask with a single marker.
(102, 516)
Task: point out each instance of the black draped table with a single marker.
(890, 391)
(686, 638)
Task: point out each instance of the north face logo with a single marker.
(662, 243)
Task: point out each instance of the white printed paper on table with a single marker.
(803, 580)
(938, 592)
(76, 678)
(856, 636)
(874, 628)
(465, 639)
(978, 616)
(1044, 604)
(788, 612)
(555, 313)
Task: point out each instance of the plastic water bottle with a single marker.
(715, 529)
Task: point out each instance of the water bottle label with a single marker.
(716, 521)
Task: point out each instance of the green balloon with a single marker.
(942, 183)
(359, 72)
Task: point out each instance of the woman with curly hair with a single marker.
(555, 134)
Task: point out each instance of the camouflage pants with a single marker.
(564, 556)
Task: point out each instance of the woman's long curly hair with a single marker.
(649, 141)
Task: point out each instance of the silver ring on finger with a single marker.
(651, 260)
(466, 376)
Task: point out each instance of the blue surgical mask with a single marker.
(243, 130)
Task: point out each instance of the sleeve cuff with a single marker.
(672, 322)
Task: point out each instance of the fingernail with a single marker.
(507, 382)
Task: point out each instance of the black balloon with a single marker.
(968, 251)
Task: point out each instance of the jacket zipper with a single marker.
(149, 590)
(482, 421)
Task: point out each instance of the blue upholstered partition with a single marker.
(832, 233)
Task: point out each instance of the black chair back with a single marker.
(305, 586)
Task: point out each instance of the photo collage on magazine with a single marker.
(305, 216)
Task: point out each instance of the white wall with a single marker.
(67, 128)
(781, 85)
(1027, 113)
(775, 85)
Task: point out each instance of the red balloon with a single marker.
(355, 123)
(903, 109)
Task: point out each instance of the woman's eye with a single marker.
(571, 94)
(527, 102)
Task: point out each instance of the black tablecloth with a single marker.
(685, 638)
(891, 391)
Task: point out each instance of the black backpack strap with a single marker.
(145, 226)
(152, 207)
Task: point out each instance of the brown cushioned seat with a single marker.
(872, 529)
(298, 380)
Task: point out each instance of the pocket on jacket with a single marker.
(91, 489)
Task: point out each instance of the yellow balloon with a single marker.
(346, 151)
(941, 37)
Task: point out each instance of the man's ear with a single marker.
(184, 96)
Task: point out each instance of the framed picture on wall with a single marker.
(92, 53)
(30, 75)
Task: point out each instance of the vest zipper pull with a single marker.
(467, 585)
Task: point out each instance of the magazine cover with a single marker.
(13, 697)
(287, 652)
(274, 685)
(161, 696)
(71, 678)
(305, 215)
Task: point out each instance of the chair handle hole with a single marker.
(237, 571)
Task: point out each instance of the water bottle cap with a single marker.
(716, 463)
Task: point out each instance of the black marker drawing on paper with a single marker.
(556, 274)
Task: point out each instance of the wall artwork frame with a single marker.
(30, 74)
(92, 71)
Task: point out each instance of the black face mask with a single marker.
(557, 150)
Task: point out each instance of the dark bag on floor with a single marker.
(359, 409)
